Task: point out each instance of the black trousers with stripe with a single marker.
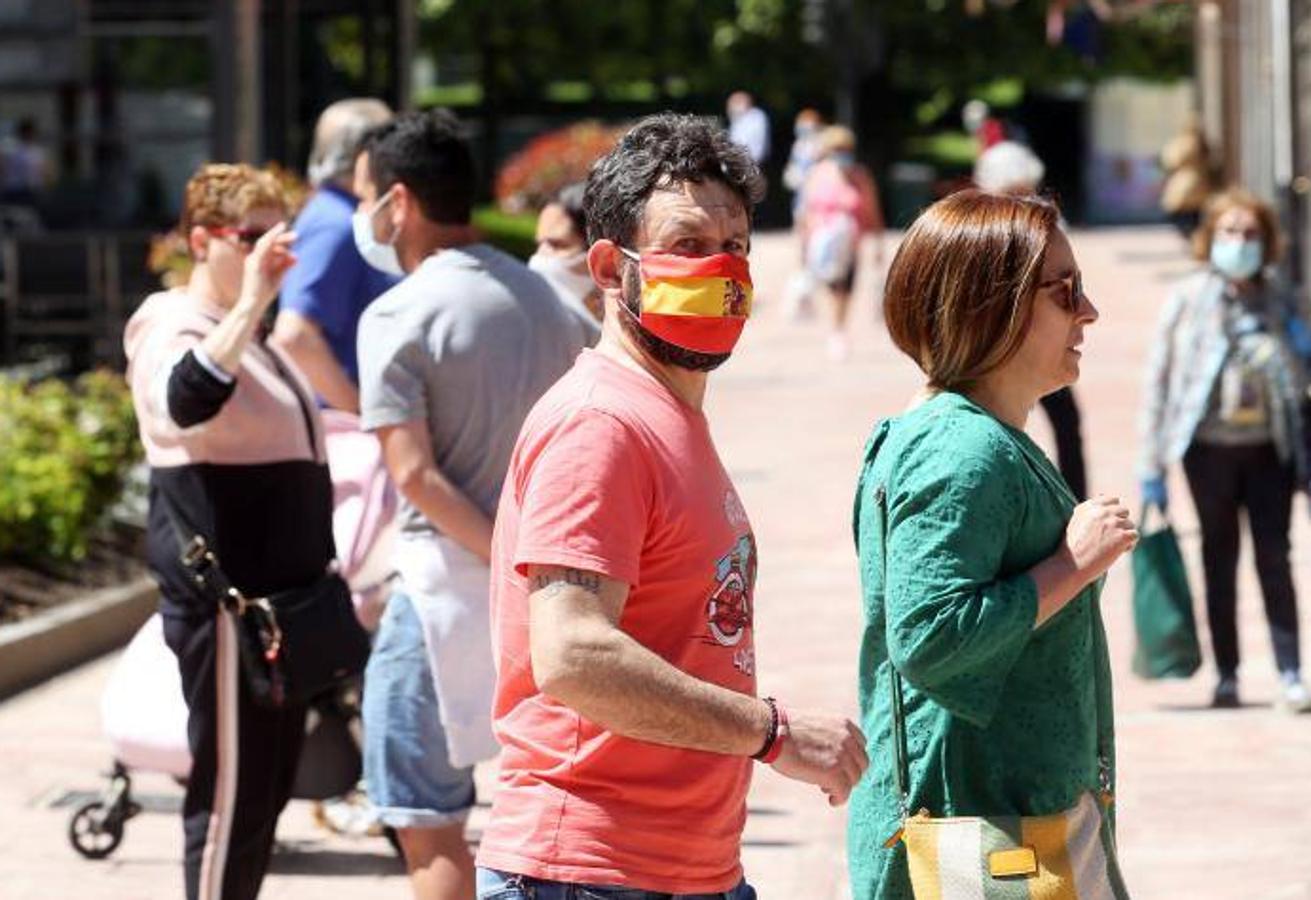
(243, 761)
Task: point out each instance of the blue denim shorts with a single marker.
(494, 885)
(410, 778)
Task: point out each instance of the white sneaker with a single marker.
(1293, 696)
(352, 815)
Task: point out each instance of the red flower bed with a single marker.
(549, 162)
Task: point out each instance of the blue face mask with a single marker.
(843, 158)
(1237, 260)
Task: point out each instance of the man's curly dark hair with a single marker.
(663, 151)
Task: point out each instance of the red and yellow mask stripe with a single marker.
(699, 303)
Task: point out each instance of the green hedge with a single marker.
(64, 452)
(514, 233)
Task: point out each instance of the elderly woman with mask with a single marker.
(1223, 394)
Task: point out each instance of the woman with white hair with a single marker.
(1009, 168)
(327, 290)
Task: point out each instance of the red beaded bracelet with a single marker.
(783, 732)
(778, 733)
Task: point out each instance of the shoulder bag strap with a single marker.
(197, 558)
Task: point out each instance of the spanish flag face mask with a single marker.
(699, 303)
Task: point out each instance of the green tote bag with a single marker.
(1162, 606)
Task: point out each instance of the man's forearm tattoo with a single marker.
(558, 580)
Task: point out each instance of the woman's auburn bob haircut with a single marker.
(959, 294)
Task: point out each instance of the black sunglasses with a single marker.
(1073, 284)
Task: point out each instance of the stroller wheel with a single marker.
(95, 831)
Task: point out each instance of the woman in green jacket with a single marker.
(985, 603)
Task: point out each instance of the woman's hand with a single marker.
(1099, 533)
(265, 266)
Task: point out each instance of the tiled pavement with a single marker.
(1213, 805)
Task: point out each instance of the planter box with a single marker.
(72, 633)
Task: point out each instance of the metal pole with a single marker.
(248, 80)
(1211, 77)
(235, 49)
(407, 26)
(1281, 76)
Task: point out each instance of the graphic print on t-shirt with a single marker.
(729, 608)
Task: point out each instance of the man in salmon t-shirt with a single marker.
(623, 565)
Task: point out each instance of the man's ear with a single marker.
(605, 261)
(198, 243)
(402, 207)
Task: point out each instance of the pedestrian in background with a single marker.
(236, 453)
(1224, 395)
(561, 258)
(326, 292)
(624, 567)
(801, 286)
(1009, 167)
(805, 152)
(839, 206)
(1186, 162)
(748, 126)
(24, 165)
(983, 638)
(451, 360)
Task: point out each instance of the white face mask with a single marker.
(377, 254)
(568, 273)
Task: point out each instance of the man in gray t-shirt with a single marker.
(451, 360)
(466, 344)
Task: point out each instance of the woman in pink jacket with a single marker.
(839, 205)
(236, 452)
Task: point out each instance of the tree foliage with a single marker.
(709, 47)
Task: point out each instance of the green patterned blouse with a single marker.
(1001, 719)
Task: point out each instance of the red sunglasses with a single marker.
(247, 237)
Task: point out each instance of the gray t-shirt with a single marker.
(467, 342)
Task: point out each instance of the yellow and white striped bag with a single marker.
(1068, 855)
(1058, 857)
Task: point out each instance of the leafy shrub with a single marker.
(516, 234)
(64, 452)
(551, 161)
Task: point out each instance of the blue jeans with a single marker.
(410, 778)
(494, 885)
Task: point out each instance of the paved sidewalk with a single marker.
(1213, 805)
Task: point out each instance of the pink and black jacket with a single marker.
(239, 460)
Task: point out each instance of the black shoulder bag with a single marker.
(294, 644)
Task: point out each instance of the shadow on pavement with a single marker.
(309, 860)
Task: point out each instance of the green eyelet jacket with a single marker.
(1001, 719)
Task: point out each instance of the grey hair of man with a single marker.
(337, 137)
(662, 152)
